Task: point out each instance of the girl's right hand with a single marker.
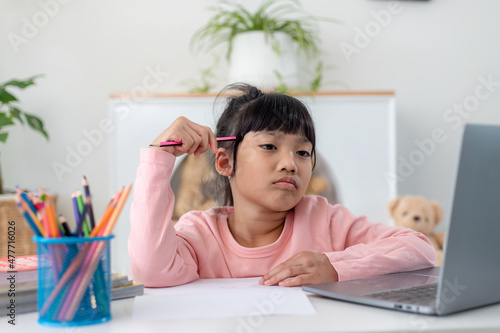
(195, 138)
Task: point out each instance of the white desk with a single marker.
(332, 316)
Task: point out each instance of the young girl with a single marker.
(266, 227)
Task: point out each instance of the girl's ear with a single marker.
(223, 162)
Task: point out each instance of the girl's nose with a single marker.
(287, 162)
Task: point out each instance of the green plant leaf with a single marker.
(3, 137)
(6, 97)
(8, 102)
(318, 78)
(4, 120)
(240, 11)
(16, 113)
(232, 18)
(21, 83)
(282, 86)
(36, 124)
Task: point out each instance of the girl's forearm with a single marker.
(156, 258)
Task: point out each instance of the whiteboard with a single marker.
(355, 137)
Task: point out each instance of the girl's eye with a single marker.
(304, 153)
(269, 147)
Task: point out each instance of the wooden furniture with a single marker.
(13, 224)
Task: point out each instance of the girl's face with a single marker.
(273, 170)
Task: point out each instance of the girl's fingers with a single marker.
(195, 138)
(286, 273)
(293, 281)
(284, 270)
(208, 141)
(303, 268)
(285, 264)
(212, 141)
(189, 136)
(202, 137)
(203, 145)
(192, 140)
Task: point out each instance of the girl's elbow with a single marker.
(142, 275)
(428, 251)
(431, 256)
(152, 277)
(422, 249)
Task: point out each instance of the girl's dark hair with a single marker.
(253, 110)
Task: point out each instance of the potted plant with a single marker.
(10, 111)
(262, 46)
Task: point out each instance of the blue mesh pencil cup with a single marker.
(74, 285)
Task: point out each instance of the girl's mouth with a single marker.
(286, 182)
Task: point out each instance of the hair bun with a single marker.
(254, 93)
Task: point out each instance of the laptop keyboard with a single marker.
(421, 295)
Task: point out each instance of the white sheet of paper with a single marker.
(217, 298)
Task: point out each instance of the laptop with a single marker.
(470, 273)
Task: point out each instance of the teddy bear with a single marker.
(421, 215)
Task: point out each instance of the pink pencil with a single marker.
(177, 143)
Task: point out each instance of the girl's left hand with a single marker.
(303, 268)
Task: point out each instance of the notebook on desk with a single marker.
(470, 273)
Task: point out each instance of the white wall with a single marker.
(431, 54)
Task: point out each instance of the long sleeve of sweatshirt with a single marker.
(154, 249)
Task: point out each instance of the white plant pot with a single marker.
(253, 60)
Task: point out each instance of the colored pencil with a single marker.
(27, 216)
(33, 217)
(116, 212)
(82, 281)
(74, 280)
(64, 223)
(39, 204)
(178, 143)
(89, 197)
(76, 212)
(77, 285)
(68, 273)
(36, 201)
(51, 217)
(24, 195)
(105, 217)
(82, 221)
(83, 218)
(71, 304)
(45, 222)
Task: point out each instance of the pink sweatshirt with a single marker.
(201, 245)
